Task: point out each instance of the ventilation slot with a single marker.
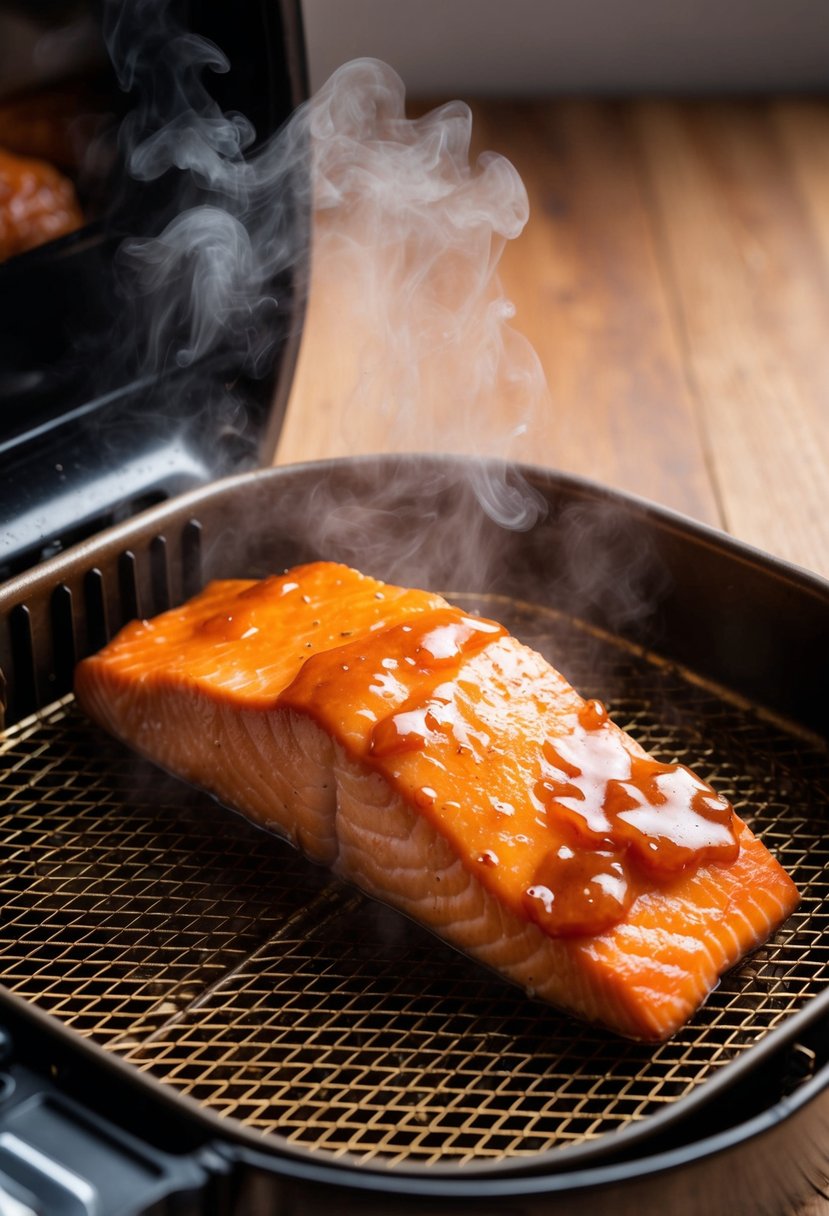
(159, 575)
(63, 638)
(191, 572)
(127, 587)
(97, 633)
(24, 688)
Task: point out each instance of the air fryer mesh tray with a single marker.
(210, 955)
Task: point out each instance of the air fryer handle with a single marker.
(60, 1158)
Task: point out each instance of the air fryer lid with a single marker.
(102, 414)
(212, 958)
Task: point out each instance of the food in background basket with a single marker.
(450, 771)
(37, 204)
(56, 123)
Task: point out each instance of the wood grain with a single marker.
(674, 280)
(745, 265)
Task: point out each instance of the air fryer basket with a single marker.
(295, 1015)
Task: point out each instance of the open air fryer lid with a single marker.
(108, 403)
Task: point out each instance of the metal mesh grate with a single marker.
(212, 956)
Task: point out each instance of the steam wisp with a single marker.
(406, 301)
(207, 279)
(408, 237)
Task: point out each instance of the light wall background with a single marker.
(543, 47)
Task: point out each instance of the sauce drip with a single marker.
(612, 797)
(631, 817)
(434, 648)
(579, 893)
(404, 677)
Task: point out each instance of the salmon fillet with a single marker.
(449, 771)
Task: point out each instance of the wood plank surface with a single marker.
(745, 265)
(674, 281)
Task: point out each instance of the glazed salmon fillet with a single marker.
(448, 770)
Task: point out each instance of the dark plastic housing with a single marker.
(90, 431)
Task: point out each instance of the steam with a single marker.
(408, 238)
(406, 305)
(205, 285)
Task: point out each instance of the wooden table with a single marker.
(674, 280)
